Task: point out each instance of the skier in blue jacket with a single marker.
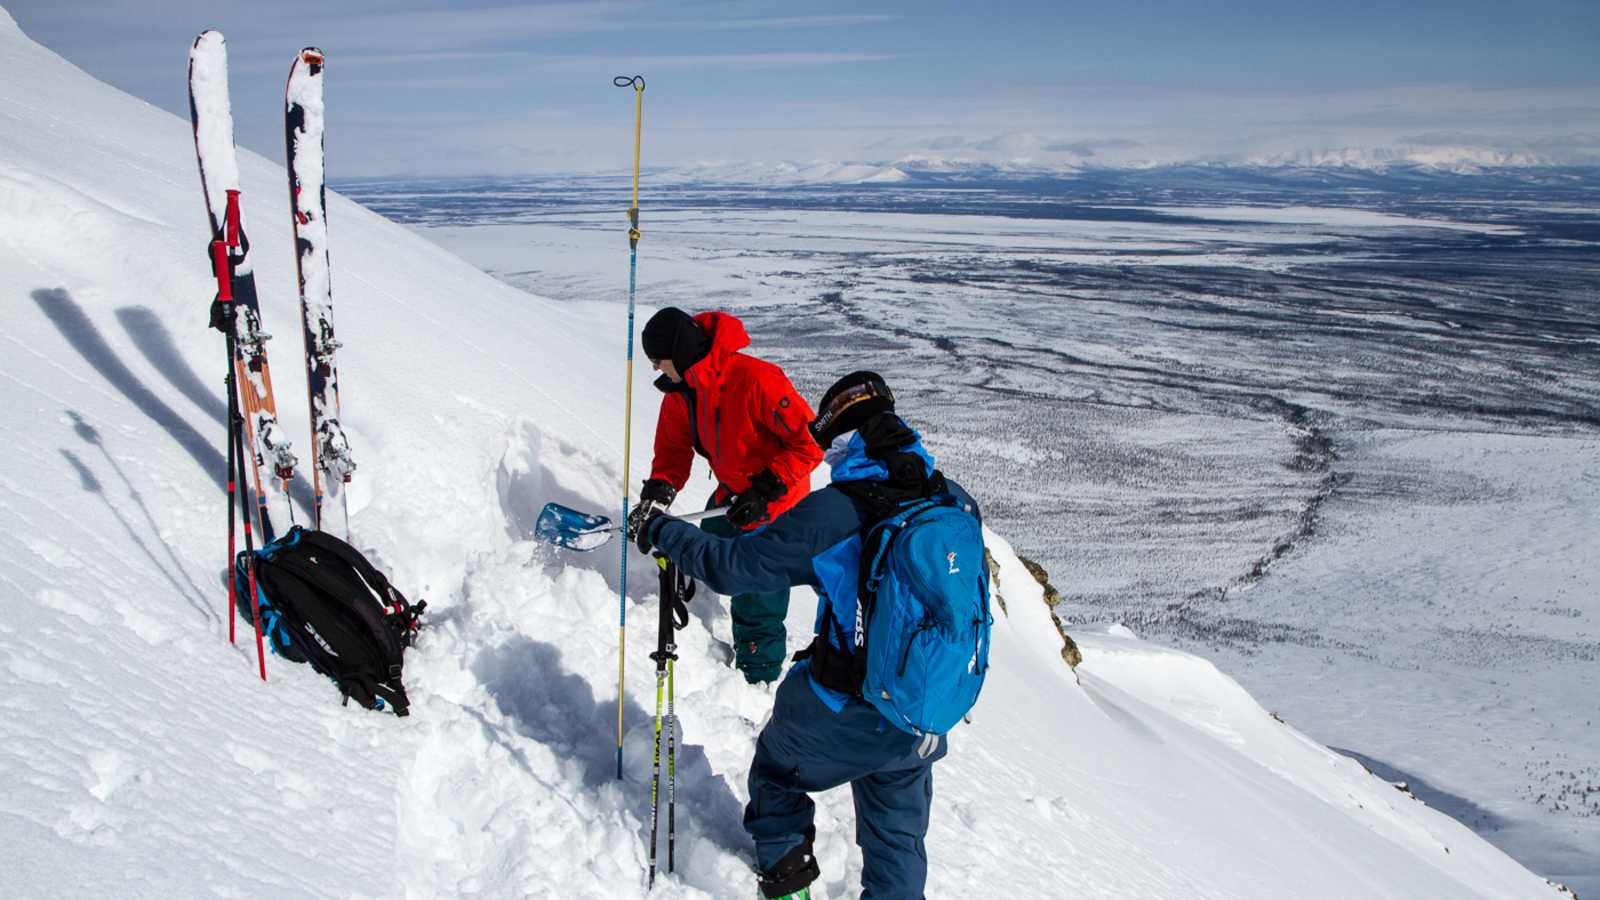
(822, 734)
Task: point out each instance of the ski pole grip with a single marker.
(231, 219)
(219, 266)
(634, 81)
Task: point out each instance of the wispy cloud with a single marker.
(498, 24)
(777, 22)
(718, 60)
(414, 59)
(458, 26)
(1089, 148)
(477, 81)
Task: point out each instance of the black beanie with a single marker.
(847, 405)
(673, 334)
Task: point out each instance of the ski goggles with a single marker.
(846, 410)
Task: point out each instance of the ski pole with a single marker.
(233, 414)
(222, 320)
(250, 561)
(676, 591)
(637, 83)
(683, 591)
(223, 317)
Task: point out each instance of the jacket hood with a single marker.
(727, 338)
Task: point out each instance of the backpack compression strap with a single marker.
(835, 664)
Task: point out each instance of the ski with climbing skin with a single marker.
(265, 444)
(331, 462)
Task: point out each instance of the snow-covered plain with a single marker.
(140, 757)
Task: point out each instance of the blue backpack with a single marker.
(925, 601)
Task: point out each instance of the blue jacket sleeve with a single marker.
(774, 558)
(770, 559)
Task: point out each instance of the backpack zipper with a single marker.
(905, 655)
(977, 647)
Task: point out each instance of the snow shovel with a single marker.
(566, 527)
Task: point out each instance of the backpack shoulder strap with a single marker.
(871, 499)
(392, 692)
(327, 543)
(400, 613)
(368, 614)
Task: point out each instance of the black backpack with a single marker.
(323, 603)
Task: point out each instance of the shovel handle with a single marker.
(690, 517)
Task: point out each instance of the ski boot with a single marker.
(791, 878)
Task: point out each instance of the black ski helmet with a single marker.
(847, 405)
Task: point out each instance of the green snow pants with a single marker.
(759, 641)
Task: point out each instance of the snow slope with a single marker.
(139, 755)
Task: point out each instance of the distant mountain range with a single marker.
(1331, 167)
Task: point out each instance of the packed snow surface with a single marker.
(140, 756)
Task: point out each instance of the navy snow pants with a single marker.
(807, 747)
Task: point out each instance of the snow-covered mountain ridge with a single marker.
(1331, 163)
(141, 757)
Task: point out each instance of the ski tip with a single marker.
(208, 58)
(311, 56)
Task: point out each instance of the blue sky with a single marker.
(459, 88)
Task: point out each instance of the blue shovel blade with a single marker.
(566, 527)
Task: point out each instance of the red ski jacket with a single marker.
(741, 414)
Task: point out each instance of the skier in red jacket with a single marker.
(748, 421)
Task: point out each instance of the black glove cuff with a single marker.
(765, 484)
(658, 491)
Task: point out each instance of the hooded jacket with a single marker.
(741, 414)
(818, 543)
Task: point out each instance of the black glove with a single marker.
(654, 497)
(750, 507)
(642, 539)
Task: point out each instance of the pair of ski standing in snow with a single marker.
(237, 311)
(255, 438)
(762, 442)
